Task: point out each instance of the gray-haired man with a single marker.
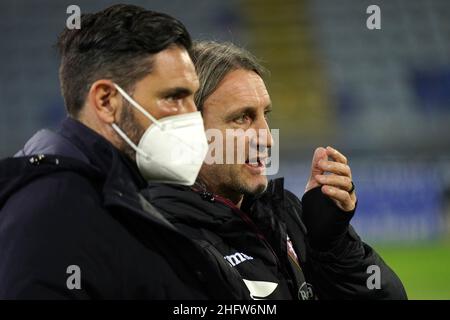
(262, 237)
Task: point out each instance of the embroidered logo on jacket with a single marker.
(305, 292)
(237, 258)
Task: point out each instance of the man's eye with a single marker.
(242, 119)
(176, 96)
(173, 98)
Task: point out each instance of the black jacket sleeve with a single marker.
(339, 265)
(45, 228)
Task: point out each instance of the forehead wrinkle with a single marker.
(241, 88)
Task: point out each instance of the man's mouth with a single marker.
(256, 165)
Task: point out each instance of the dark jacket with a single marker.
(250, 244)
(70, 198)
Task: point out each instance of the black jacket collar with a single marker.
(99, 151)
(73, 147)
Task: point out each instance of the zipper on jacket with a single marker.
(209, 196)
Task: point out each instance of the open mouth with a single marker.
(257, 163)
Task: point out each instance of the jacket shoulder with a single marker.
(51, 191)
(49, 224)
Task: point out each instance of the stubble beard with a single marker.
(229, 183)
(132, 129)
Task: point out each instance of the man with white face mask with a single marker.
(72, 221)
(172, 149)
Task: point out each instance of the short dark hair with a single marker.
(214, 60)
(117, 44)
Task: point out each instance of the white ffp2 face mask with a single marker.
(172, 149)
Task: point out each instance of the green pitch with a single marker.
(423, 268)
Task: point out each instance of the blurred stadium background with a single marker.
(380, 96)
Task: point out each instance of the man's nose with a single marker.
(265, 137)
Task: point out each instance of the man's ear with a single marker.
(104, 100)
